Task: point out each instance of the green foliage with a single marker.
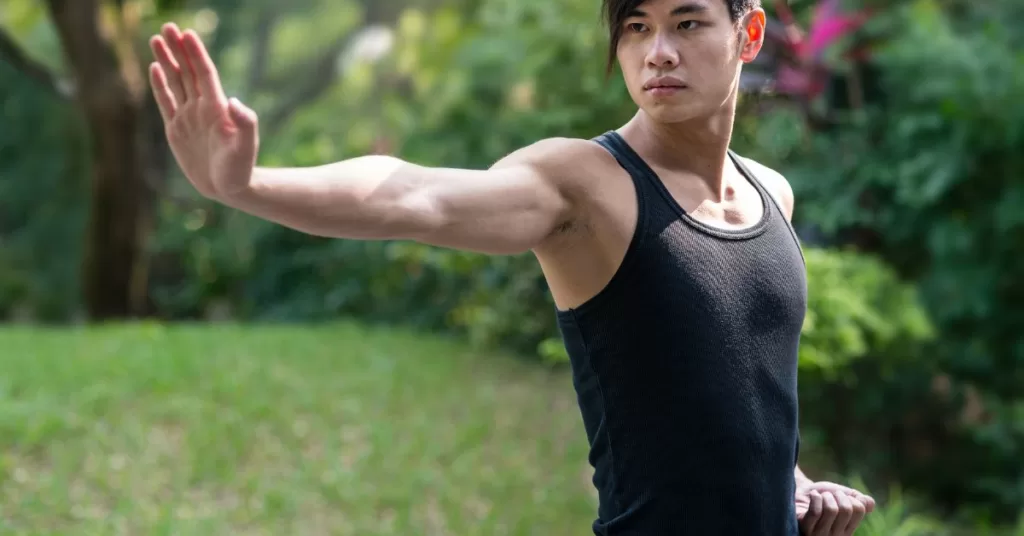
(900, 514)
(480, 109)
(928, 178)
(897, 515)
(856, 306)
(42, 184)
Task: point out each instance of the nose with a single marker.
(662, 53)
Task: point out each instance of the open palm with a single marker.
(214, 140)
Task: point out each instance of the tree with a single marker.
(105, 54)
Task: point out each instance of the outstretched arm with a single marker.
(510, 208)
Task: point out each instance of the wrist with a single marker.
(236, 196)
(800, 478)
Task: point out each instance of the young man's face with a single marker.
(681, 58)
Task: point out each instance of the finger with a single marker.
(845, 514)
(242, 115)
(859, 511)
(203, 67)
(830, 487)
(829, 511)
(164, 97)
(172, 36)
(246, 121)
(817, 504)
(868, 502)
(170, 68)
(810, 521)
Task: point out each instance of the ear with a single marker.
(752, 29)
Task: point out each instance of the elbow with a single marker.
(413, 216)
(383, 215)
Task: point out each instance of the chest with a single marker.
(738, 205)
(757, 282)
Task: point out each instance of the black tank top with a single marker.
(685, 369)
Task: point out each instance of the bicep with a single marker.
(508, 209)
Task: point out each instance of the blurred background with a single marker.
(174, 367)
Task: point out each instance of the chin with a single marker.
(673, 112)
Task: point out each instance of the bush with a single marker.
(928, 179)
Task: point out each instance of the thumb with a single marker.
(245, 119)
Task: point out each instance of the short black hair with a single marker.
(617, 11)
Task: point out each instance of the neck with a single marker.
(697, 147)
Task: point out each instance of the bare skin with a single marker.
(565, 200)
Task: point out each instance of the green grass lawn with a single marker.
(282, 430)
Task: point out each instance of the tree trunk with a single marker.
(112, 94)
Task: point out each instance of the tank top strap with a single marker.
(615, 145)
(644, 181)
(773, 203)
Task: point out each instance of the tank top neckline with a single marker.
(654, 180)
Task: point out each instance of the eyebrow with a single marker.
(684, 9)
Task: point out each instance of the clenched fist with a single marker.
(827, 509)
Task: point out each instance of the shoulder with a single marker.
(566, 162)
(552, 151)
(575, 170)
(776, 184)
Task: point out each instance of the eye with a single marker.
(689, 25)
(636, 27)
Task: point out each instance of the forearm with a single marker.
(506, 209)
(361, 198)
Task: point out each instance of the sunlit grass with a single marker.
(282, 430)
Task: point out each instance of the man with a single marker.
(678, 281)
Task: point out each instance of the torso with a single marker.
(682, 319)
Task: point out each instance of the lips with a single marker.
(664, 82)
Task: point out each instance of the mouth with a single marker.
(664, 85)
